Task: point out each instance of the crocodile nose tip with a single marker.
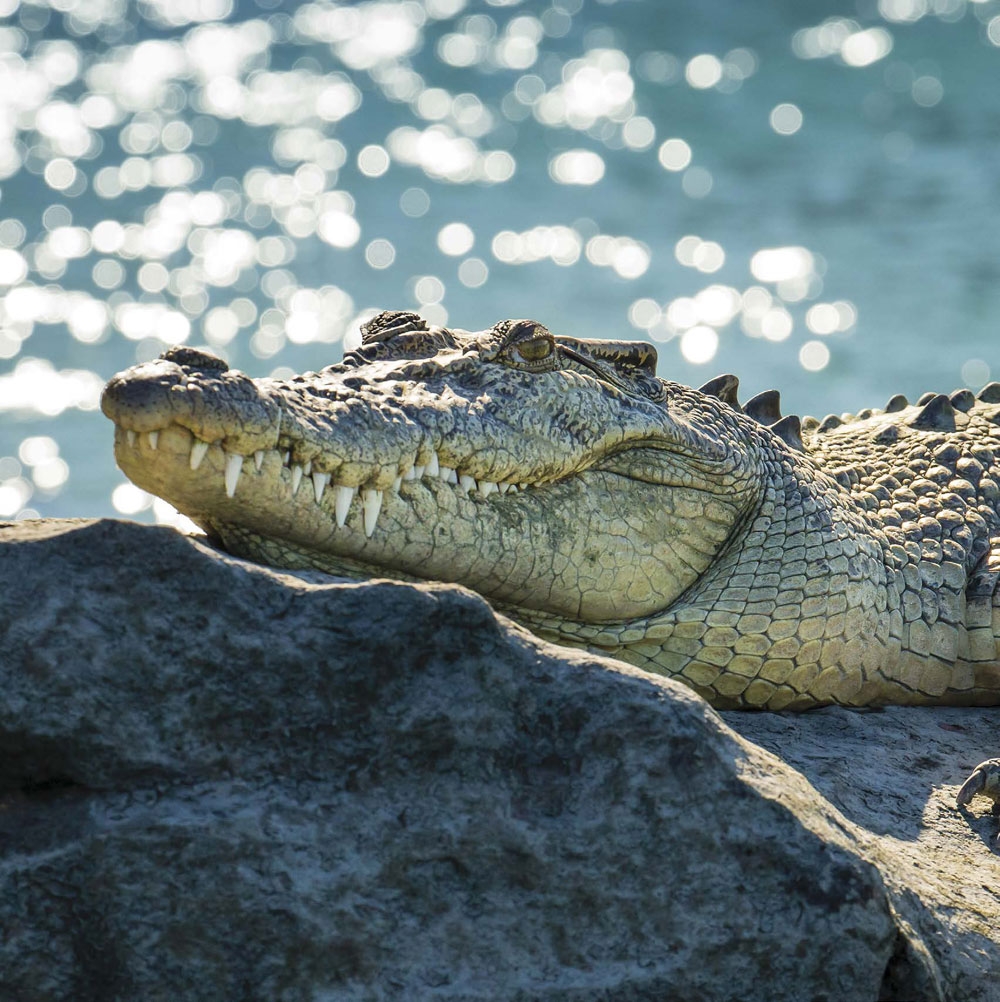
(195, 359)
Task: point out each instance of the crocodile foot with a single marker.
(985, 780)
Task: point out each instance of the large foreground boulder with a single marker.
(223, 782)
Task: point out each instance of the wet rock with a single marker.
(220, 781)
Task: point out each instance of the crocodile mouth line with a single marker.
(320, 484)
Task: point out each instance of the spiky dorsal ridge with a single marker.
(937, 410)
(765, 409)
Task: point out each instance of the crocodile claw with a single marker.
(985, 780)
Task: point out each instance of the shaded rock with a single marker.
(220, 781)
(893, 772)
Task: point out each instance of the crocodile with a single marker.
(765, 561)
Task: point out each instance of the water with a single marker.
(805, 194)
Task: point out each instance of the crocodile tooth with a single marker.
(372, 502)
(308, 468)
(418, 471)
(396, 483)
(486, 487)
(285, 457)
(296, 478)
(433, 468)
(320, 480)
(410, 474)
(504, 486)
(522, 487)
(234, 467)
(258, 459)
(131, 436)
(466, 483)
(345, 495)
(446, 473)
(154, 440)
(198, 451)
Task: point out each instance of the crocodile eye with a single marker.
(534, 349)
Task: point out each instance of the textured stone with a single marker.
(892, 773)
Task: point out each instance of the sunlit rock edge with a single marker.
(223, 781)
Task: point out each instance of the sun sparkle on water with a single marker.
(260, 179)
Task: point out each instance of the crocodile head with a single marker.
(547, 472)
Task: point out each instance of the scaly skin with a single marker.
(662, 525)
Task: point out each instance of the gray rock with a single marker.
(223, 782)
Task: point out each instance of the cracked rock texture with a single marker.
(224, 782)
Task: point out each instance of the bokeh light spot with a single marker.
(455, 239)
(697, 182)
(130, 500)
(702, 72)
(786, 119)
(927, 91)
(577, 167)
(814, 356)
(373, 161)
(975, 373)
(699, 344)
(674, 154)
(428, 289)
(60, 174)
(473, 273)
(380, 253)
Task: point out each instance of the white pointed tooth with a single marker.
(131, 436)
(258, 459)
(522, 487)
(486, 487)
(396, 483)
(234, 467)
(513, 487)
(445, 473)
(503, 486)
(320, 480)
(198, 451)
(345, 495)
(296, 478)
(433, 467)
(154, 440)
(372, 502)
(285, 456)
(466, 483)
(410, 474)
(418, 471)
(308, 468)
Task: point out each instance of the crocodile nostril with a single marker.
(194, 358)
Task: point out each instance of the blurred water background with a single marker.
(803, 192)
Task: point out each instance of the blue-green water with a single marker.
(806, 194)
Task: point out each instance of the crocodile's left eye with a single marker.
(535, 349)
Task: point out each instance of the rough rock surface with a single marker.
(220, 781)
